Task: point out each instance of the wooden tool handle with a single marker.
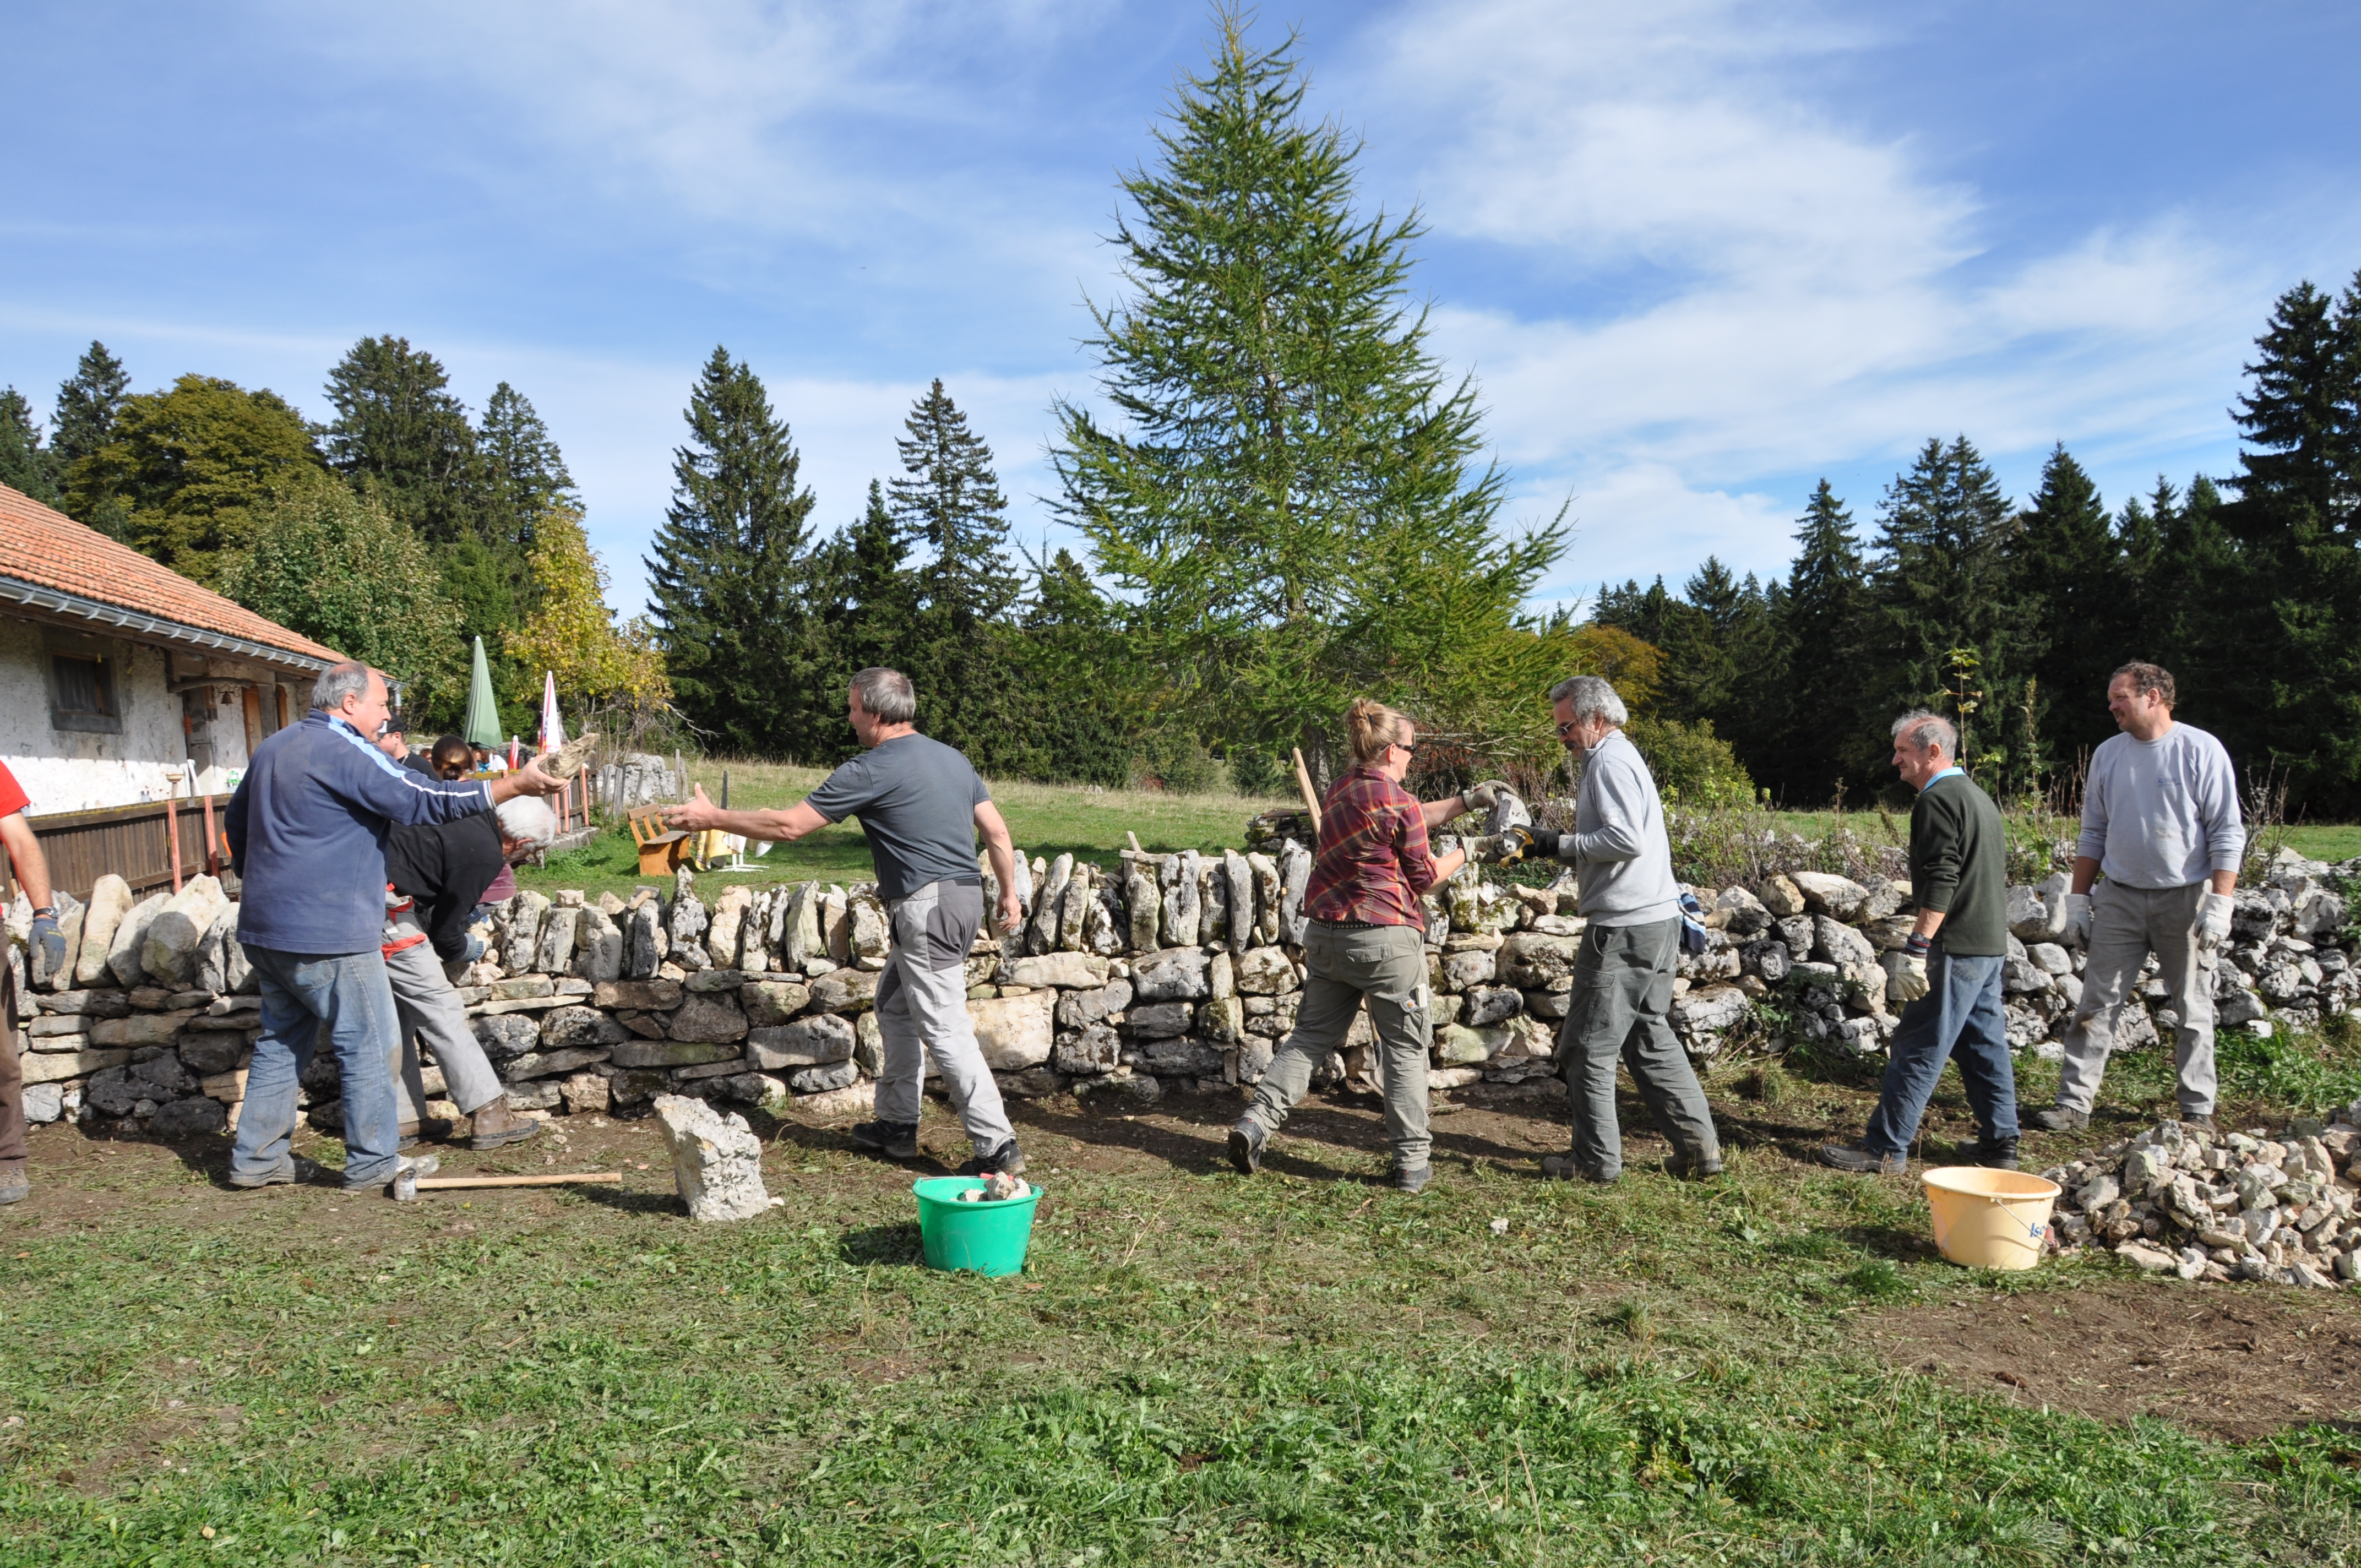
(1303, 783)
(558, 1179)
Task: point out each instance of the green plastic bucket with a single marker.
(989, 1238)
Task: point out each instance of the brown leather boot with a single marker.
(496, 1126)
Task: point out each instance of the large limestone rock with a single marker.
(1015, 1032)
(836, 923)
(769, 1003)
(686, 923)
(122, 955)
(722, 936)
(1295, 875)
(1244, 921)
(807, 1042)
(1175, 974)
(1534, 958)
(1158, 1020)
(1714, 1008)
(1826, 893)
(110, 901)
(598, 948)
(1068, 971)
(709, 1018)
(1836, 943)
(1104, 922)
(754, 945)
(2033, 918)
(644, 942)
(846, 991)
(1781, 896)
(578, 1027)
(717, 1160)
(1178, 877)
(1041, 931)
(1073, 915)
(1146, 903)
(1263, 971)
(222, 966)
(869, 936)
(553, 953)
(525, 913)
(799, 940)
(168, 951)
(1212, 902)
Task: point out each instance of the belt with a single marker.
(1359, 925)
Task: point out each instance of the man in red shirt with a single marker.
(46, 953)
(1366, 943)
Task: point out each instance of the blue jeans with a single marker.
(1959, 1017)
(349, 995)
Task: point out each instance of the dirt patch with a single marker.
(2236, 1362)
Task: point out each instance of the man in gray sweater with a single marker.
(2160, 818)
(1622, 998)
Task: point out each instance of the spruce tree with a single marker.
(2295, 678)
(949, 501)
(729, 570)
(25, 464)
(402, 437)
(2070, 570)
(89, 403)
(1828, 736)
(1940, 583)
(874, 611)
(1290, 492)
(524, 472)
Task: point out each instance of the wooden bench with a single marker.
(661, 851)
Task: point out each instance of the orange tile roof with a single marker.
(50, 550)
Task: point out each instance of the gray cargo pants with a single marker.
(430, 1012)
(1621, 1008)
(1346, 966)
(2127, 924)
(922, 1012)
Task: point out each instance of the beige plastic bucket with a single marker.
(1990, 1219)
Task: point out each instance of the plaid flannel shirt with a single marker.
(1373, 862)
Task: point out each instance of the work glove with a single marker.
(472, 949)
(49, 945)
(1910, 981)
(2078, 917)
(1481, 849)
(1525, 843)
(2213, 913)
(1481, 797)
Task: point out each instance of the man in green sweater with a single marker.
(1948, 974)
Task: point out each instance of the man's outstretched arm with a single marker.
(700, 815)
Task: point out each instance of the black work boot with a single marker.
(1996, 1154)
(1247, 1142)
(1006, 1160)
(1861, 1162)
(894, 1140)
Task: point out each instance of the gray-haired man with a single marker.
(2160, 818)
(921, 806)
(1622, 1000)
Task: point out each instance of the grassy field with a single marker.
(1045, 819)
(1050, 819)
(1301, 1369)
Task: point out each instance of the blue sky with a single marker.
(1698, 253)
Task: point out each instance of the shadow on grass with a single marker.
(897, 1245)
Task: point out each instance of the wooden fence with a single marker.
(136, 842)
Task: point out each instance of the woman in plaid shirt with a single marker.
(1366, 942)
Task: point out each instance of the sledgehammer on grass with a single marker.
(409, 1184)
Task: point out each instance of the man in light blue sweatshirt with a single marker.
(1622, 998)
(307, 831)
(2161, 818)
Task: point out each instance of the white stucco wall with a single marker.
(65, 770)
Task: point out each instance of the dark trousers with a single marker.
(1959, 1018)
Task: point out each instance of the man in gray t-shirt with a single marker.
(921, 805)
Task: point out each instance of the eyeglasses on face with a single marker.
(1568, 728)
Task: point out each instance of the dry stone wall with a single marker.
(1154, 973)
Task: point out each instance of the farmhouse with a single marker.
(122, 682)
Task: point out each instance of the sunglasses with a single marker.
(1568, 728)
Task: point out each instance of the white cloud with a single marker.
(1742, 286)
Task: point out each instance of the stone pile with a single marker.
(1157, 973)
(2252, 1205)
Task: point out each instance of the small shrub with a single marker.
(1692, 764)
(1877, 1279)
(1177, 760)
(1767, 1083)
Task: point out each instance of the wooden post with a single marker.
(585, 795)
(213, 853)
(172, 824)
(1303, 783)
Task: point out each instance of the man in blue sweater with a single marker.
(307, 832)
